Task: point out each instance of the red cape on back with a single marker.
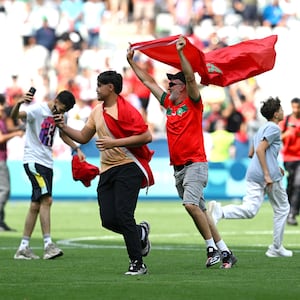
(129, 123)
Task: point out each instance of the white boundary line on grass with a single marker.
(78, 242)
(72, 244)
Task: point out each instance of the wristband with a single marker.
(75, 149)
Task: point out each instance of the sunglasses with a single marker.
(173, 83)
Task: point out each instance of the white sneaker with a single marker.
(280, 252)
(215, 210)
(146, 244)
(136, 268)
(52, 251)
(25, 253)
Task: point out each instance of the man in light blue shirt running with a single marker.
(264, 176)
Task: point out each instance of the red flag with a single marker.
(83, 171)
(164, 50)
(241, 61)
(219, 67)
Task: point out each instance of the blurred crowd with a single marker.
(64, 44)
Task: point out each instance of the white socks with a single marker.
(47, 240)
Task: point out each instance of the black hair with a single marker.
(2, 99)
(269, 107)
(112, 77)
(295, 100)
(66, 98)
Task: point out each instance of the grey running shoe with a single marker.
(52, 251)
(213, 257)
(228, 259)
(136, 268)
(278, 252)
(25, 253)
(146, 244)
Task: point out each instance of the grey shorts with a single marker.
(190, 183)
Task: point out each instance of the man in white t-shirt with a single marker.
(38, 165)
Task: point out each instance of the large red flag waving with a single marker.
(164, 50)
(220, 67)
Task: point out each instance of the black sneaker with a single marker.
(136, 268)
(228, 259)
(146, 245)
(213, 257)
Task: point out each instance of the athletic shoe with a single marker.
(146, 245)
(278, 252)
(25, 253)
(52, 251)
(291, 220)
(136, 268)
(213, 257)
(228, 259)
(215, 210)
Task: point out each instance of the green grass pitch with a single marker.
(95, 259)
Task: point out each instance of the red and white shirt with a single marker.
(184, 130)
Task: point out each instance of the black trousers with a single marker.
(118, 191)
(293, 185)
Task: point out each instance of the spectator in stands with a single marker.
(272, 15)
(119, 10)
(290, 134)
(241, 143)
(34, 62)
(222, 142)
(248, 9)
(13, 88)
(212, 115)
(5, 135)
(144, 16)
(92, 18)
(290, 14)
(71, 14)
(64, 60)
(46, 36)
(182, 12)
(219, 9)
(138, 88)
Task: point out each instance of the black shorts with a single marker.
(41, 179)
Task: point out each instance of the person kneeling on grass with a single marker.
(264, 176)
